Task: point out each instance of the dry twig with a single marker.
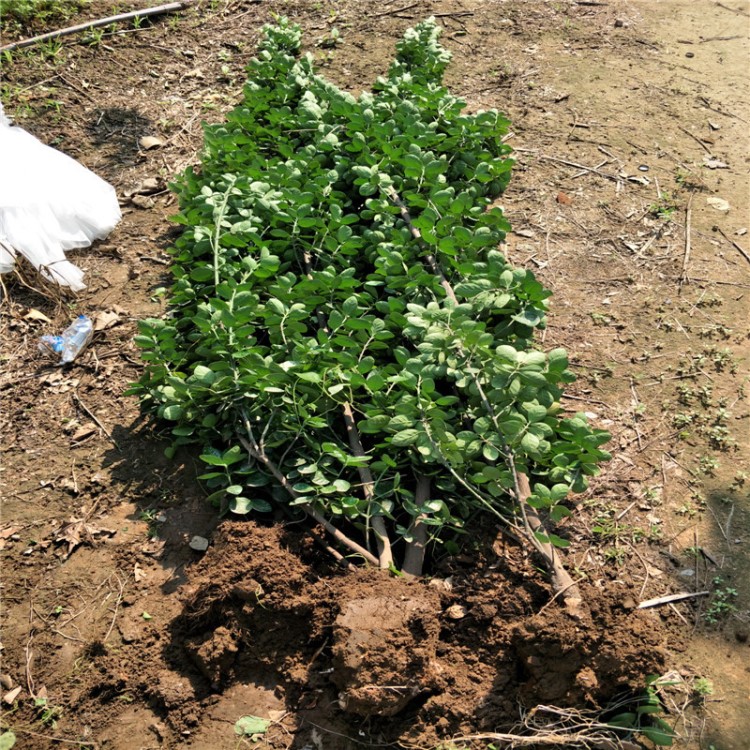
(396, 10)
(659, 600)
(737, 247)
(686, 256)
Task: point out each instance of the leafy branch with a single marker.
(536, 533)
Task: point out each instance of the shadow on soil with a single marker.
(117, 131)
(166, 494)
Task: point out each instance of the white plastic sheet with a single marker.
(49, 203)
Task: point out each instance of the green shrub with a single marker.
(344, 337)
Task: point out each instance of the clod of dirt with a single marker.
(563, 663)
(173, 691)
(214, 654)
(384, 650)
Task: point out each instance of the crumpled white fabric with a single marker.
(49, 203)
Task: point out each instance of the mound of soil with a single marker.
(417, 660)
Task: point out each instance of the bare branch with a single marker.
(415, 550)
(385, 553)
(254, 451)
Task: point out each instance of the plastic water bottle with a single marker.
(74, 339)
(51, 344)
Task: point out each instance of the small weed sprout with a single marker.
(722, 602)
(664, 208)
(708, 466)
(702, 688)
(47, 714)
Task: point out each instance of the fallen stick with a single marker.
(145, 13)
(95, 419)
(739, 248)
(686, 257)
(454, 14)
(395, 10)
(734, 10)
(721, 281)
(567, 163)
(671, 598)
(696, 139)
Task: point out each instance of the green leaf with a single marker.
(7, 740)
(626, 720)
(240, 505)
(233, 455)
(173, 412)
(529, 317)
(663, 737)
(490, 452)
(558, 513)
(405, 437)
(530, 443)
(204, 375)
(213, 460)
(250, 725)
(202, 273)
(558, 541)
(535, 412)
(558, 360)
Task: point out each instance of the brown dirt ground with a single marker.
(139, 642)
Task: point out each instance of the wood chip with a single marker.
(104, 320)
(718, 203)
(10, 697)
(143, 201)
(150, 141)
(33, 314)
